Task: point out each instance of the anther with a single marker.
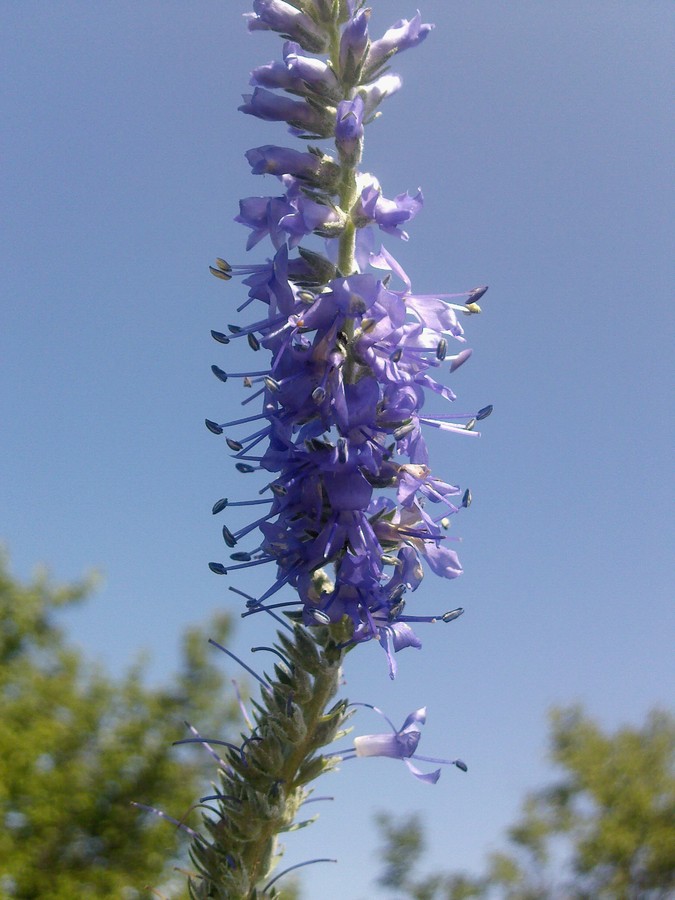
(228, 537)
(484, 413)
(453, 614)
(459, 359)
(321, 617)
(213, 427)
(222, 376)
(466, 499)
(476, 294)
(397, 592)
(220, 337)
(404, 429)
(219, 273)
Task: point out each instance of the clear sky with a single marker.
(539, 134)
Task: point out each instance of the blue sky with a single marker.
(540, 136)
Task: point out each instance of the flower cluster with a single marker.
(352, 350)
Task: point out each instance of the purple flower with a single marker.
(302, 117)
(299, 73)
(276, 15)
(374, 93)
(263, 215)
(388, 215)
(402, 744)
(401, 36)
(353, 45)
(349, 129)
(353, 515)
(313, 169)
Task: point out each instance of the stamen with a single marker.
(278, 653)
(449, 426)
(248, 565)
(199, 740)
(243, 531)
(223, 376)
(241, 663)
(162, 815)
(229, 797)
(459, 359)
(309, 862)
(221, 762)
(253, 396)
(222, 504)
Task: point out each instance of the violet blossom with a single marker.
(352, 353)
(401, 744)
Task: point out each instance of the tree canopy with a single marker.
(604, 829)
(77, 748)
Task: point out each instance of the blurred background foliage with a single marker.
(77, 748)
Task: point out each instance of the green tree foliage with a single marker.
(604, 831)
(77, 748)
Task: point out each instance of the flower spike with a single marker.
(354, 516)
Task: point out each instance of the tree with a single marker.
(603, 830)
(77, 748)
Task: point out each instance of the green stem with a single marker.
(267, 782)
(325, 687)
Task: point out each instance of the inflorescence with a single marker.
(352, 513)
